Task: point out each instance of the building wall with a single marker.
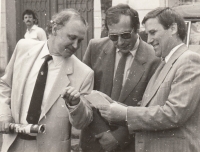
(7, 32)
(11, 26)
(142, 6)
(3, 40)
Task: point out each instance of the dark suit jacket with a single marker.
(100, 56)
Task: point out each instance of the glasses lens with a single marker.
(113, 37)
(126, 35)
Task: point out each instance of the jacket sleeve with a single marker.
(82, 115)
(6, 87)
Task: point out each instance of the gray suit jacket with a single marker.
(169, 117)
(55, 114)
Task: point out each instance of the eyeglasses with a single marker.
(124, 35)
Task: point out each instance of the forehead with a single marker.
(75, 27)
(28, 15)
(153, 24)
(123, 25)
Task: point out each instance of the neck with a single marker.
(52, 48)
(29, 27)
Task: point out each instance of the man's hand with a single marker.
(4, 124)
(71, 96)
(107, 141)
(114, 112)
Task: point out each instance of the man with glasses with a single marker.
(123, 65)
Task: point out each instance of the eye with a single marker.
(72, 37)
(153, 32)
(80, 40)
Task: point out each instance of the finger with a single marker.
(67, 93)
(64, 92)
(7, 127)
(98, 135)
(103, 107)
(76, 96)
(72, 94)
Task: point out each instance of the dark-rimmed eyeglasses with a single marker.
(124, 35)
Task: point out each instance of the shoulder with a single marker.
(147, 52)
(39, 29)
(189, 56)
(100, 42)
(27, 44)
(147, 48)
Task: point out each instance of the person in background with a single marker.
(169, 116)
(123, 64)
(33, 31)
(43, 84)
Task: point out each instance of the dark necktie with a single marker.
(118, 80)
(34, 110)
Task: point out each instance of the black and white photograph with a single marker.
(99, 76)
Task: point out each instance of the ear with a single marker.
(174, 28)
(54, 30)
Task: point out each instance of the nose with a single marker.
(120, 41)
(149, 39)
(75, 44)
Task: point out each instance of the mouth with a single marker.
(155, 45)
(123, 47)
(70, 50)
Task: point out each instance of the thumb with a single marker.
(109, 99)
(98, 135)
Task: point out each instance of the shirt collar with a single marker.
(172, 52)
(33, 27)
(134, 48)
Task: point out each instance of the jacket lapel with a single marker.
(26, 66)
(164, 73)
(136, 71)
(60, 83)
(108, 68)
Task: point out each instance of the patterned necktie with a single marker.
(118, 80)
(34, 110)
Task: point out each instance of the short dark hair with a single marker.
(29, 12)
(166, 17)
(61, 18)
(113, 15)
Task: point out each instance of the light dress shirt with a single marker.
(53, 70)
(172, 52)
(35, 33)
(129, 60)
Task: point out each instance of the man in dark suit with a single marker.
(104, 57)
(169, 117)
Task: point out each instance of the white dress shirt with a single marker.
(129, 60)
(172, 52)
(53, 70)
(35, 33)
